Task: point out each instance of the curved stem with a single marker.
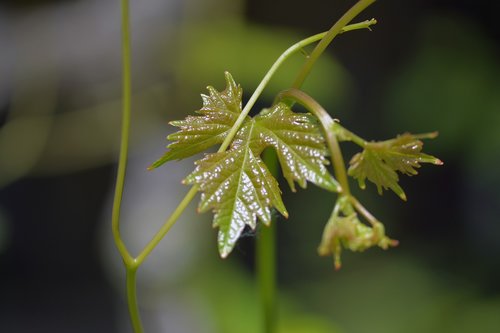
(133, 307)
(363, 211)
(130, 263)
(345, 135)
(262, 85)
(327, 123)
(331, 34)
(126, 108)
(167, 225)
(282, 58)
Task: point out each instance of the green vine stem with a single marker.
(133, 306)
(266, 260)
(327, 123)
(282, 58)
(327, 39)
(266, 247)
(366, 214)
(266, 276)
(125, 133)
(132, 264)
(345, 135)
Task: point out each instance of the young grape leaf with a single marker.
(380, 161)
(299, 144)
(198, 133)
(237, 185)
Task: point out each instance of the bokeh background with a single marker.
(428, 65)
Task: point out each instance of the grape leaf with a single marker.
(237, 185)
(368, 164)
(380, 161)
(198, 133)
(299, 144)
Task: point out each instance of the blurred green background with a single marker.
(428, 65)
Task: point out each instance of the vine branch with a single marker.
(327, 39)
(327, 123)
(130, 263)
(125, 133)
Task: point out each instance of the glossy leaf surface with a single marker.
(299, 144)
(210, 127)
(379, 162)
(237, 185)
(239, 188)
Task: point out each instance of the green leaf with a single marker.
(239, 188)
(299, 144)
(368, 164)
(237, 185)
(198, 133)
(380, 161)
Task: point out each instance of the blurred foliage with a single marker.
(28, 125)
(395, 293)
(248, 51)
(391, 293)
(38, 140)
(451, 83)
(231, 295)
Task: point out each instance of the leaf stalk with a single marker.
(327, 123)
(327, 39)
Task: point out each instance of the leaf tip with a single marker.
(224, 250)
(157, 163)
(175, 123)
(433, 135)
(337, 262)
(393, 243)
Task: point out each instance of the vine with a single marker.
(240, 188)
